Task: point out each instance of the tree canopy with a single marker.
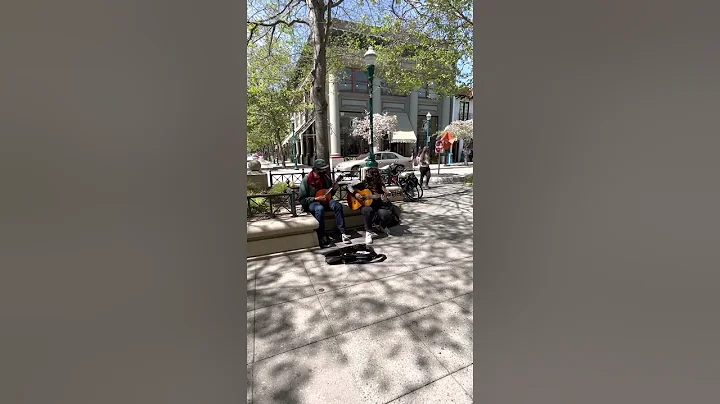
(271, 98)
(420, 44)
(461, 129)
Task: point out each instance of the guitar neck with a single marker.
(334, 184)
(373, 196)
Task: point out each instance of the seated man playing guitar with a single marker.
(370, 196)
(316, 192)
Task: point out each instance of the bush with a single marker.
(278, 188)
(262, 205)
(469, 180)
(254, 190)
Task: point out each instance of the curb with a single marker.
(449, 180)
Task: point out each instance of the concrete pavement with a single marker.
(399, 331)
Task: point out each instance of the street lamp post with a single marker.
(294, 140)
(427, 127)
(370, 58)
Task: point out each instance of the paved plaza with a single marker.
(399, 331)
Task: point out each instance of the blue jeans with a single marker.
(317, 209)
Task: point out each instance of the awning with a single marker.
(405, 133)
(300, 131)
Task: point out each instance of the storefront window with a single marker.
(464, 111)
(361, 81)
(422, 129)
(345, 82)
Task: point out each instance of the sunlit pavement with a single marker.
(399, 331)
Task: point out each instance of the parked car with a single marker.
(383, 159)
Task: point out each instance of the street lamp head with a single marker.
(428, 116)
(370, 57)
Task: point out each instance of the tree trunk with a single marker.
(317, 10)
(280, 150)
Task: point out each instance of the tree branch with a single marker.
(254, 25)
(289, 5)
(272, 35)
(278, 22)
(462, 16)
(328, 22)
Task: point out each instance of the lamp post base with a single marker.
(370, 161)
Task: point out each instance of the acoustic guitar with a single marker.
(355, 204)
(327, 193)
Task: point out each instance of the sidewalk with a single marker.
(399, 331)
(456, 172)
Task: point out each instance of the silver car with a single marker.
(383, 159)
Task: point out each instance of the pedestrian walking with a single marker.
(425, 167)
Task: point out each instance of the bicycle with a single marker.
(407, 181)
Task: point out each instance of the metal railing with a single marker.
(268, 205)
(297, 176)
(265, 206)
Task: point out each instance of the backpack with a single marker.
(354, 254)
(395, 218)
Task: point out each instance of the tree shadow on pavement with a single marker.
(365, 333)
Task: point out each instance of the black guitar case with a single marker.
(354, 254)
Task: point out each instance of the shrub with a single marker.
(254, 190)
(469, 180)
(278, 188)
(262, 205)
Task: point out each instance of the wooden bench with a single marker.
(288, 233)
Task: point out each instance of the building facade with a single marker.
(348, 98)
(462, 110)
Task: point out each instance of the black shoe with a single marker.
(324, 242)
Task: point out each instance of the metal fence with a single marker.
(265, 206)
(297, 176)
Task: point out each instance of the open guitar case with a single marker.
(353, 254)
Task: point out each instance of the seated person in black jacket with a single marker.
(381, 206)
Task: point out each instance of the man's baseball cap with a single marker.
(320, 164)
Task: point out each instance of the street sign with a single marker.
(439, 146)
